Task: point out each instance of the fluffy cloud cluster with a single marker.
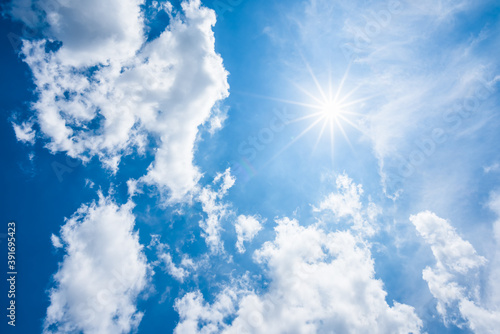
(104, 91)
(193, 309)
(346, 203)
(102, 274)
(319, 283)
(454, 280)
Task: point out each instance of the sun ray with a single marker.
(332, 141)
(358, 101)
(319, 137)
(294, 140)
(348, 121)
(330, 84)
(341, 85)
(341, 128)
(316, 82)
(351, 113)
(306, 117)
(333, 110)
(348, 95)
(305, 91)
(330, 106)
(302, 104)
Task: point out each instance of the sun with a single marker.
(328, 110)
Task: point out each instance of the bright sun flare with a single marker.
(329, 110)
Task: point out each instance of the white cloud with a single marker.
(217, 119)
(494, 267)
(216, 210)
(449, 249)
(492, 168)
(89, 183)
(247, 227)
(176, 272)
(179, 272)
(346, 203)
(319, 283)
(102, 274)
(227, 181)
(454, 281)
(24, 132)
(193, 309)
(95, 31)
(56, 241)
(106, 91)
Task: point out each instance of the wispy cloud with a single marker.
(215, 209)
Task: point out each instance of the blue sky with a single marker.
(252, 166)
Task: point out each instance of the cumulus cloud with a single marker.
(454, 280)
(247, 227)
(346, 203)
(105, 91)
(319, 283)
(102, 274)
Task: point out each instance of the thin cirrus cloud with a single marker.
(106, 92)
(417, 100)
(417, 87)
